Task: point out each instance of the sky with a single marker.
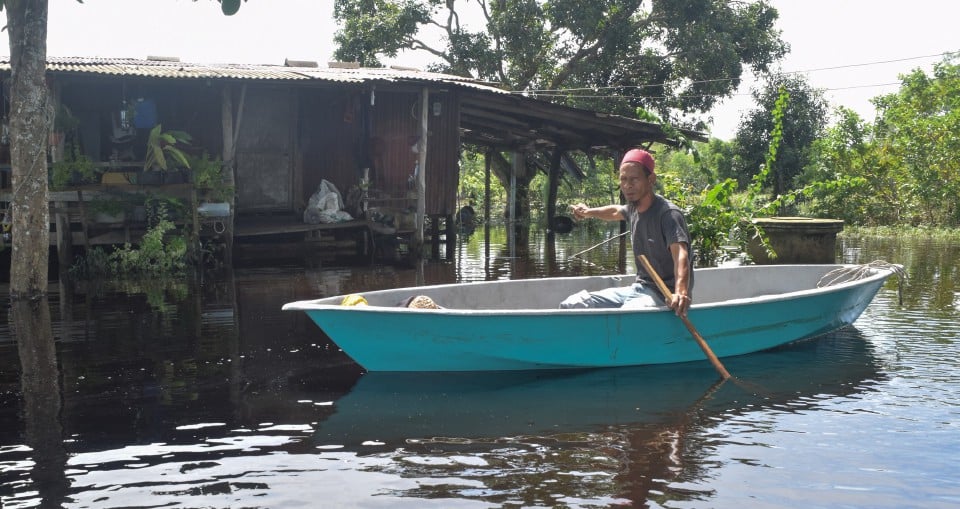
(854, 49)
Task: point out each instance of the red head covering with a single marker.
(639, 156)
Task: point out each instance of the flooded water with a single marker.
(207, 395)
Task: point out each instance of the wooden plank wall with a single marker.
(341, 133)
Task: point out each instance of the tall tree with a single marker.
(803, 122)
(31, 113)
(851, 177)
(676, 58)
(918, 128)
(673, 57)
(29, 123)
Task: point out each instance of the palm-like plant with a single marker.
(163, 144)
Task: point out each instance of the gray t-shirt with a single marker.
(652, 232)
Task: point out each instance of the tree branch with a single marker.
(417, 44)
(590, 51)
(497, 44)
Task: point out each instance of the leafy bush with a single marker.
(75, 168)
(158, 254)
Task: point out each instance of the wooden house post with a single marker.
(515, 168)
(421, 172)
(487, 161)
(231, 130)
(552, 189)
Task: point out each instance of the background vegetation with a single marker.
(901, 169)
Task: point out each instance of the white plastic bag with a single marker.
(325, 205)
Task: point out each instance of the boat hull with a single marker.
(385, 338)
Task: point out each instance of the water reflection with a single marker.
(42, 438)
(207, 394)
(630, 431)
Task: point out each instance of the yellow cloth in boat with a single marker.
(353, 300)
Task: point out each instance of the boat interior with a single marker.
(712, 285)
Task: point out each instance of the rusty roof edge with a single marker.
(171, 69)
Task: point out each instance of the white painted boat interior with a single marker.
(712, 285)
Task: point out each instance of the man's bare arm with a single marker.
(607, 212)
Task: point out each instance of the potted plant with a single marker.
(164, 153)
(73, 168)
(208, 179)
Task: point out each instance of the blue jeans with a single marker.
(633, 296)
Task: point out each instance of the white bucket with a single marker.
(221, 209)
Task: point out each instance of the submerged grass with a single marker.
(894, 232)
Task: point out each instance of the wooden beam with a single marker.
(422, 170)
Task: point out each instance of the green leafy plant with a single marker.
(721, 218)
(160, 253)
(157, 253)
(208, 177)
(75, 168)
(162, 145)
(161, 207)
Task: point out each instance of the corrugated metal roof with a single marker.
(489, 115)
(166, 68)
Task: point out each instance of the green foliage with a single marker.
(720, 157)
(901, 170)
(918, 129)
(161, 207)
(695, 173)
(156, 253)
(162, 294)
(74, 168)
(208, 177)
(159, 254)
(719, 217)
(376, 27)
(229, 7)
(677, 56)
(600, 187)
(755, 190)
(163, 144)
(847, 180)
(472, 185)
(802, 123)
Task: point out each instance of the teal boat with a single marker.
(516, 324)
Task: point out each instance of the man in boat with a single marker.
(658, 230)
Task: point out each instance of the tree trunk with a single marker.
(29, 124)
(40, 411)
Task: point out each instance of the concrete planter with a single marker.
(797, 240)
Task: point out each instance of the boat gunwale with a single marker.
(879, 273)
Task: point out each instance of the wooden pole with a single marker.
(487, 156)
(686, 321)
(421, 172)
(230, 127)
(512, 207)
(555, 161)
